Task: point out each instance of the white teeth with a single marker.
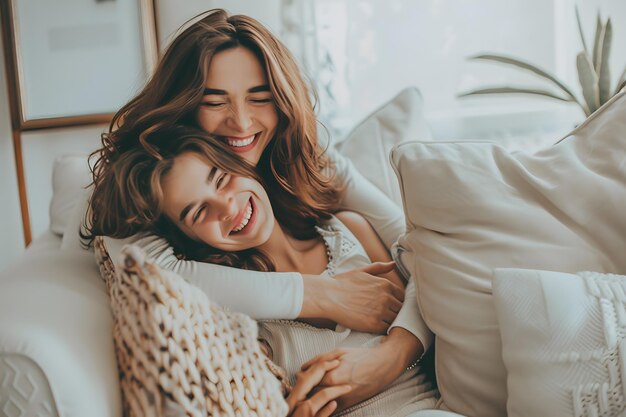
(238, 143)
(246, 219)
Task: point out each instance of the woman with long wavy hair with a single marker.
(229, 76)
(235, 225)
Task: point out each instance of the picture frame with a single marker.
(75, 62)
(71, 63)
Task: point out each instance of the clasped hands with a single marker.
(344, 377)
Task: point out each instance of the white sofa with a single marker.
(56, 349)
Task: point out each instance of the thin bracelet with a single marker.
(416, 363)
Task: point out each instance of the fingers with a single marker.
(326, 395)
(322, 403)
(397, 292)
(381, 268)
(377, 268)
(324, 357)
(308, 379)
(327, 410)
(394, 305)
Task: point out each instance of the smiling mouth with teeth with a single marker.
(246, 218)
(241, 144)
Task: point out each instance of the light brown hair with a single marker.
(134, 195)
(294, 166)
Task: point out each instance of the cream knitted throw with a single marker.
(178, 353)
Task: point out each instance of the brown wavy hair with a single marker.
(294, 167)
(132, 201)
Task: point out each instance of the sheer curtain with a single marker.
(359, 53)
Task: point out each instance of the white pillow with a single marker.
(70, 174)
(472, 207)
(369, 143)
(563, 342)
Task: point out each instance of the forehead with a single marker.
(181, 183)
(237, 68)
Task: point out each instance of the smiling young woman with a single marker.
(238, 104)
(229, 76)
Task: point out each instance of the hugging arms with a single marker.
(213, 208)
(230, 77)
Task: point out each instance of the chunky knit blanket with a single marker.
(180, 354)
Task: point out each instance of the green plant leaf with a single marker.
(596, 42)
(620, 82)
(514, 90)
(589, 83)
(528, 67)
(580, 30)
(603, 69)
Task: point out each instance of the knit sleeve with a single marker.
(359, 195)
(261, 295)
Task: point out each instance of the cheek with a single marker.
(272, 118)
(209, 233)
(207, 120)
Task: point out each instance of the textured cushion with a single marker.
(563, 342)
(70, 174)
(472, 207)
(369, 143)
(178, 353)
(56, 350)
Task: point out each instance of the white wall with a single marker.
(172, 14)
(378, 48)
(86, 43)
(11, 238)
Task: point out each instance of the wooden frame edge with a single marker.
(18, 124)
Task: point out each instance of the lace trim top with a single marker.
(293, 342)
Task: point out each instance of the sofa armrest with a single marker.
(55, 323)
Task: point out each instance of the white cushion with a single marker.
(472, 207)
(55, 316)
(369, 143)
(563, 342)
(70, 174)
(75, 220)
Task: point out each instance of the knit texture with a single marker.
(563, 342)
(180, 354)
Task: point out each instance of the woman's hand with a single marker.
(357, 299)
(321, 403)
(369, 370)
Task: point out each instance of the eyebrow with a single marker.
(257, 89)
(187, 209)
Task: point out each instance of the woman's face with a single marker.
(227, 212)
(238, 105)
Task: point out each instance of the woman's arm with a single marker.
(261, 295)
(387, 219)
(359, 195)
(374, 247)
(273, 295)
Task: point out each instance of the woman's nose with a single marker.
(241, 117)
(227, 209)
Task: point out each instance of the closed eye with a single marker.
(196, 216)
(221, 180)
(262, 100)
(213, 104)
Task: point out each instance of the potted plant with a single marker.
(594, 73)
